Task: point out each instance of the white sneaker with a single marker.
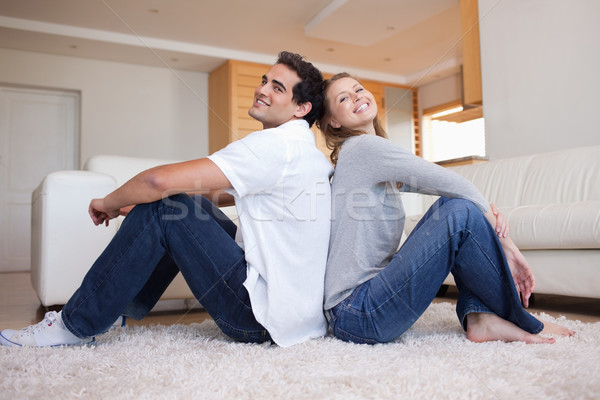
(49, 332)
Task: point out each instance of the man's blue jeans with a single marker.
(452, 237)
(154, 243)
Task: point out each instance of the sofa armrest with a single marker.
(64, 241)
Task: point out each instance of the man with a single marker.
(267, 284)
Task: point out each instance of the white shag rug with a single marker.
(432, 360)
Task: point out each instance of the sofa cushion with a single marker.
(562, 176)
(122, 168)
(558, 177)
(573, 225)
(500, 181)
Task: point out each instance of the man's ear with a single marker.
(303, 109)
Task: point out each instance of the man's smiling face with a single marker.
(273, 104)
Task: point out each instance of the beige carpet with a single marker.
(432, 360)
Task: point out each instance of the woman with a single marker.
(374, 293)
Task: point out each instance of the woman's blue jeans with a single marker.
(452, 237)
(154, 243)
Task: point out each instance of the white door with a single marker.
(39, 134)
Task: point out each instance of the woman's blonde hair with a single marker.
(335, 137)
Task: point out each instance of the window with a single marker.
(451, 132)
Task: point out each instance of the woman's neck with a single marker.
(370, 130)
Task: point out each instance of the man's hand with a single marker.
(520, 269)
(100, 213)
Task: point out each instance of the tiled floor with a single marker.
(19, 306)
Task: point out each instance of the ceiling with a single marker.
(403, 41)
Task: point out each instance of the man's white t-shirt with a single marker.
(282, 194)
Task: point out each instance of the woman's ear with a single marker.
(303, 109)
(334, 123)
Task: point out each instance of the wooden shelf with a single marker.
(455, 162)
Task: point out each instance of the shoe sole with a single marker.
(6, 342)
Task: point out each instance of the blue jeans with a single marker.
(154, 243)
(452, 237)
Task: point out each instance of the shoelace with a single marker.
(49, 319)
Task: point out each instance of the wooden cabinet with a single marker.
(231, 91)
(230, 94)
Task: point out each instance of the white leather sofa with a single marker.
(65, 242)
(552, 202)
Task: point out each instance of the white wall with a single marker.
(540, 75)
(126, 109)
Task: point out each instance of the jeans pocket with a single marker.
(348, 337)
(243, 335)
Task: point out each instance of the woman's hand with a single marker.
(520, 269)
(501, 227)
(101, 213)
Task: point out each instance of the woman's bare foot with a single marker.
(484, 327)
(554, 329)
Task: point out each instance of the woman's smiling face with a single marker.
(351, 105)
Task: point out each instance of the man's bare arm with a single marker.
(196, 176)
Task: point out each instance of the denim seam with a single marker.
(346, 306)
(103, 280)
(233, 292)
(473, 310)
(395, 292)
(245, 333)
(504, 283)
(353, 338)
(227, 272)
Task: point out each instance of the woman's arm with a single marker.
(385, 161)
